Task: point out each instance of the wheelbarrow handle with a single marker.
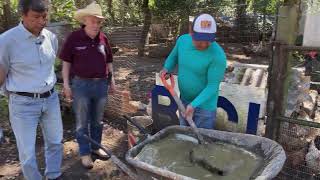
(140, 128)
(114, 159)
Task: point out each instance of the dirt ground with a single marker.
(113, 138)
(135, 73)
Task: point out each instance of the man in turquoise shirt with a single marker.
(201, 66)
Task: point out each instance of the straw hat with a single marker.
(92, 9)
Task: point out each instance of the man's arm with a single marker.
(215, 75)
(3, 74)
(55, 44)
(172, 59)
(67, 59)
(112, 83)
(4, 61)
(110, 68)
(66, 66)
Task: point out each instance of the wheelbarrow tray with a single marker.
(272, 153)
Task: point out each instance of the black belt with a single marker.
(36, 95)
(81, 78)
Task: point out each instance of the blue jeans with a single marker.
(25, 114)
(201, 117)
(89, 100)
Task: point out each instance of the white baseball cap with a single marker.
(204, 28)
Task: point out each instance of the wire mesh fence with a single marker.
(135, 73)
(302, 145)
(299, 131)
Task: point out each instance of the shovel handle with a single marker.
(169, 87)
(180, 105)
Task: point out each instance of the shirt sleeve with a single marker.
(172, 59)
(215, 75)
(55, 44)
(66, 51)
(109, 56)
(4, 55)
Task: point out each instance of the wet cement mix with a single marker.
(173, 154)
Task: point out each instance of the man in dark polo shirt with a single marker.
(87, 59)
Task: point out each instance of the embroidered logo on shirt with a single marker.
(101, 49)
(81, 48)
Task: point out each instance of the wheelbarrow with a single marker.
(272, 153)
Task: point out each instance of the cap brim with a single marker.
(211, 37)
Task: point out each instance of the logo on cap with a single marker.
(205, 24)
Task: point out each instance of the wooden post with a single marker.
(279, 72)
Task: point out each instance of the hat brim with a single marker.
(211, 37)
(80, 15)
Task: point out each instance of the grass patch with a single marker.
(4, 111)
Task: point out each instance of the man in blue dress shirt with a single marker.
(27, 55)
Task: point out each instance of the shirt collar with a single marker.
(27, 34)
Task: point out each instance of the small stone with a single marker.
(308, 105)
(114, 173)
(317, 116)
(7, 140)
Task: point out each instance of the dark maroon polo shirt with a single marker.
(88, 57)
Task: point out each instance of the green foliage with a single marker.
(130, 14)
(12, 18)
(62, 10)
(263, 6)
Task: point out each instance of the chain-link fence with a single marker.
(301, 143)
(299, 131)
(141, 46)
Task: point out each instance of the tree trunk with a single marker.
(146, 26)
(291, 2)
(82, 3)
(7, 14)
(241, 19)
(124, 8)
(110, 10)
(126, 2)
(184, 24)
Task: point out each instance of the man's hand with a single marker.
(67, 93)
(112, 86)
(2, 75)
(164, 73)
(189, 112)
